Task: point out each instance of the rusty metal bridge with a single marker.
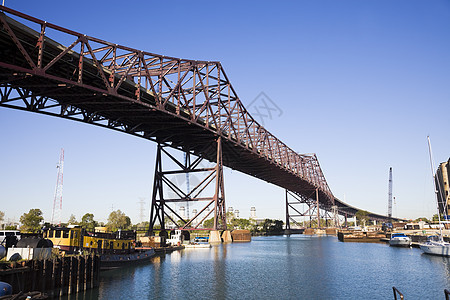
(184, 104)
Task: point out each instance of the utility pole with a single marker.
(57, 201)
(390, 194)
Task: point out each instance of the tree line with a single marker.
(33, 221)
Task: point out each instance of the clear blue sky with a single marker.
(359, 83)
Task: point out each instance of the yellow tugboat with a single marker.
(115, 249)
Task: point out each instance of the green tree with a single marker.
(209, 223)
(277, 226)
(141, 227)
(422, 219)
(230, 220)
(266, 225)
(254, 227)
(31, 221)
(436, 218)
(272, 226)
(168, 222)
(118, 220)
(88, 222)
(72, 220)
(362, 216)
(180, 223)
(240, 224)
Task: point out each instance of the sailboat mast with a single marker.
(434, 184)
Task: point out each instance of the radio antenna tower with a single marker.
(390, 194)
(57, 202)
(141, 209)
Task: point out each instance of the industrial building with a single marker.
(442, 187)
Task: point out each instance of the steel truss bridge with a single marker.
(183, 104)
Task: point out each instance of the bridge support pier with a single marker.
(318, 208)
(166, 190)
(295, 209)
(226, 236)
(214, 237)
(299, 207)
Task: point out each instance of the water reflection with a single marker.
(157, 275)
(220, 283)
(440, 261)
(289, 267)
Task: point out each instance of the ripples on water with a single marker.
(281, 267)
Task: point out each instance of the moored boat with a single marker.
(114, 261)
(176, 238)
(115, 249)
(400, 240)
(435, 245)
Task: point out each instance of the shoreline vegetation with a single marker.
(33, 223)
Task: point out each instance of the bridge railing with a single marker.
(197, 91)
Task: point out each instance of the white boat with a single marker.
(435, 245)
(400, 240)
(176, 239)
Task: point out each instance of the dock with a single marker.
(368, 237)
(54, 277)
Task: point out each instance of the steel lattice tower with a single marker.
(141, 209)
(57, 202)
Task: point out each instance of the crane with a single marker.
(390, 194)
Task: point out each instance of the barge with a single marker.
(360, 236)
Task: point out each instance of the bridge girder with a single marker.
(169, 100)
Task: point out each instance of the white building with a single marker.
(182, 212)
(253, 212)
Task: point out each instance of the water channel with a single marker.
(281, 267)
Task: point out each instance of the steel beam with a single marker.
(161, 210)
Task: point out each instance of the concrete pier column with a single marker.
(226, 237)
(214, 237)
